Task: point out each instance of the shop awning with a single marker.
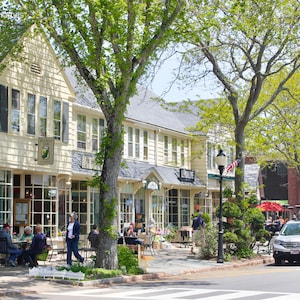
(270, 206)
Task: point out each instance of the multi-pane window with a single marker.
(42, 191)
(97, 133)
(57, 119)
(126, 210)
(130, 141)
(166, 149)
(81, 131)
(158, 209)
(94, 212)
(31, 114)
(182, 160)
(101, 126)
(137, 143)
(204, 204)
(6, 197)
(43, 116)
(101, 130)
(211, 155)
(80, 204)
(145, 145)
(185, 208)
(174, 151)
(15, 110)
(172, 208)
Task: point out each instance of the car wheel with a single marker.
(278, 262)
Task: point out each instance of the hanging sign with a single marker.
(46, 151)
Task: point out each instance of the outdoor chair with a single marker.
(4, 249)
(43, 256)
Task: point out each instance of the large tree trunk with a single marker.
(107, 250)
(239, 171)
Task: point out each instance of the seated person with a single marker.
(277, 224)
(11, 248)
(39, 243)
(131, 232)
(93, 236)
(269, 224)
(27, 235)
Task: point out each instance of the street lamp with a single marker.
(221, 161)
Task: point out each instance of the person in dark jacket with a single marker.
(12, 249)
(93, 236)
(39, 243)
(198, 223)
(72, 238)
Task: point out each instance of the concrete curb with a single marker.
(151, 276)
(139, 278)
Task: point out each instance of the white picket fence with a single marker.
(53, 273)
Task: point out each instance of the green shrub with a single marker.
(230, 237)
(208, 243)
(92, 273)
(99, 273)
(129, 261)
(244, 252)
(229, 210)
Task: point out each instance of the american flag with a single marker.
(232, 165)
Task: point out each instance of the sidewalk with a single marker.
(164, 263)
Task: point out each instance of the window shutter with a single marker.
(3, 108)
(65, 123)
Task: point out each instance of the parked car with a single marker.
(286, 244)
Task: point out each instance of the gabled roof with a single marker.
(144, 107)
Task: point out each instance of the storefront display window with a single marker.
(79, 203)
(5, 196)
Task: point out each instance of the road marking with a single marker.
(176, 293)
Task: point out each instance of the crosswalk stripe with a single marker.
(176, 293)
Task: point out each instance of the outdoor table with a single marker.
(22, 244)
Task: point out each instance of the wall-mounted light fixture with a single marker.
(68, 182)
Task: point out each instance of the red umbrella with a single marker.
(270, 206)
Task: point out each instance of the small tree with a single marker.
(241, 234)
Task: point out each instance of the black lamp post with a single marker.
(221, 162)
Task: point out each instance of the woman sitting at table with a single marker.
(131, 236)
(39, 243)
(27, 235)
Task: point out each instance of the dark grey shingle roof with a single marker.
(144, 106)
(137, 171)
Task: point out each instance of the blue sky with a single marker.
(164, 78)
